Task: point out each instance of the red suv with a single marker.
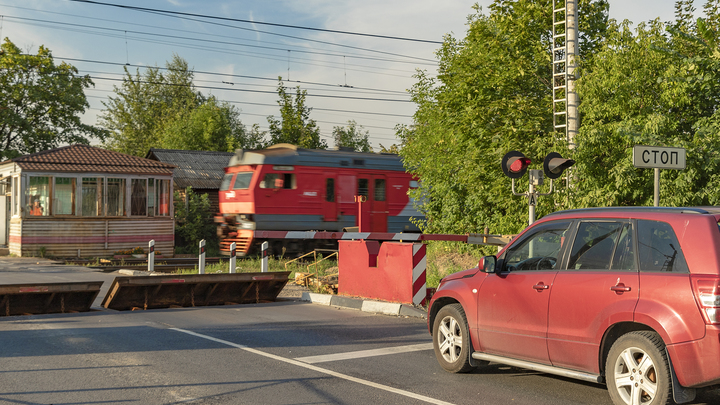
(625, 296)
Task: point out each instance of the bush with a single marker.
(194, 222)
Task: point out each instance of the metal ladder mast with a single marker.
(564, 45)
(559, 67)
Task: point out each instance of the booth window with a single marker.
(38, 196)
(138, 197)
(91, 199)
(162, 190)
(15, 190)
(64, 196)
(115, 197)
(151, 196)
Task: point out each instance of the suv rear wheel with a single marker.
(637, 371)
(451, 339)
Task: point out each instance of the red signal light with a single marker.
(520, 164)
(515, 164)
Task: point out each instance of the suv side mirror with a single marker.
(487, 264)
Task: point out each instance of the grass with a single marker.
(252, 265)
(444, 258)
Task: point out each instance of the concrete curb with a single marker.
(127, 272)
(375, 307)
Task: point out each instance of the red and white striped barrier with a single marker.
(419, 268)
(381, 236)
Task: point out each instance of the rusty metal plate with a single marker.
(151, 292)
(47, 298)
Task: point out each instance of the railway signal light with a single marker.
(554, 165)
(515, 164)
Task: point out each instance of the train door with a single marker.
(378, 205)
(330, 209)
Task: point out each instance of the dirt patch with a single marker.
(293, 290)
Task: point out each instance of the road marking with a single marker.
(365, 353)
(319, 369)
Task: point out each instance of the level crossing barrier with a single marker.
(385, 266)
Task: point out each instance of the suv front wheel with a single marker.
(637, 371)
(451, 339)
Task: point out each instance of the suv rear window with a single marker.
(659, 249)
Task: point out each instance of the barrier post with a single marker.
(151, 256)
(419, 274)
(233, 259)
(264, 265)
(202, 257)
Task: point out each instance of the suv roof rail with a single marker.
(681, 210)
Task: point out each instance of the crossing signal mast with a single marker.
(515, 165)
(564, 50)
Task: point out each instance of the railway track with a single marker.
(164, 265)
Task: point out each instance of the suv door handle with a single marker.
(540, 286)
(620, 288)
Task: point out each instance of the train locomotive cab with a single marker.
(285, 188)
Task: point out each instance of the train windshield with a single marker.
(226, 182)
(242, 181)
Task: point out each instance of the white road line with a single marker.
(365, 353)
(319, 369)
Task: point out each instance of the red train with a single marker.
(286, 188)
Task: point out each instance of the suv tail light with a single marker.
(707, 295)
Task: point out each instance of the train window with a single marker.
(330, 190)
(362, 187)
(278, 180)
(379, 189)
(242, 181)
(226, 182)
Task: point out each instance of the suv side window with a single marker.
(659, 248)
(595, 244)
(624, 257)
(539, 250)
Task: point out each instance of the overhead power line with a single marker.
(257, 91)
(214, 41)
(275, 105)
(229, 75)
(154, 10)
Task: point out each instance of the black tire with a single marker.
(637, 371)
(451, 339)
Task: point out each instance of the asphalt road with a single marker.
(288, 352)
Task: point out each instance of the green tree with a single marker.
(146, 103)
(492, 95)
(40, 103)
(352, 136)
(295, 126)
(659, 85)
(213, 126)
(194, 221)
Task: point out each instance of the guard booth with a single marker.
(85, 201)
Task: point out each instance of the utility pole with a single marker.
(573, 121)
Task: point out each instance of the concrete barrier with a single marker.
(393, 272)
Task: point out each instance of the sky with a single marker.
(239, 58)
